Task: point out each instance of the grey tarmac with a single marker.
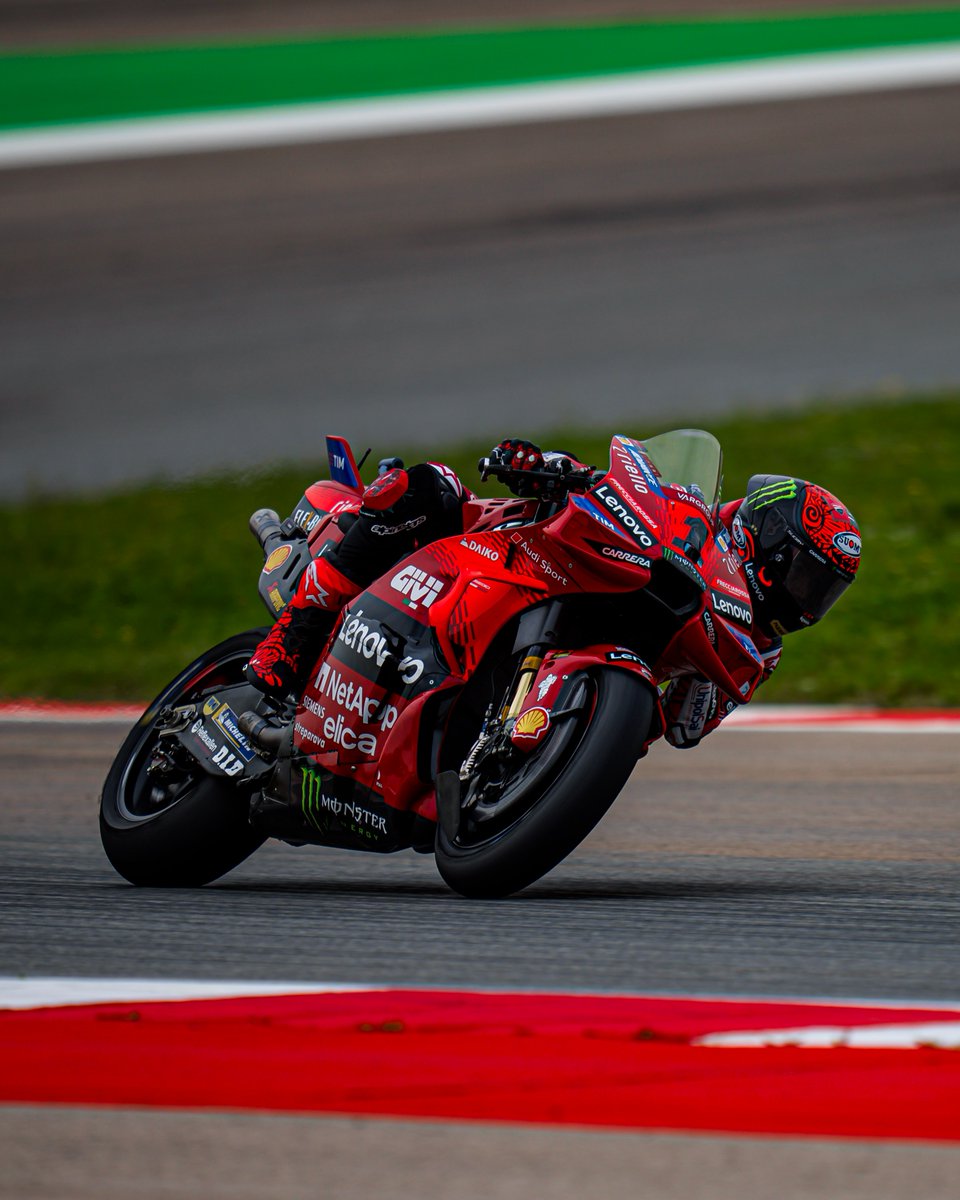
(762, 863)
(172, 317)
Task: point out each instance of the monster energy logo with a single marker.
(311, 796)
(785, 489)
(314, 802)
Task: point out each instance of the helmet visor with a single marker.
(814, 585)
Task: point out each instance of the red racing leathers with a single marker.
(693, 706)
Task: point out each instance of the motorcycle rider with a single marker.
(798, 544)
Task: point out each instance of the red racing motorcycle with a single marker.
(485, 700)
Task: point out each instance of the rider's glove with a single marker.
(690, 707)
(520, 456)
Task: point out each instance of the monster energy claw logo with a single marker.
(315, 804)
(784, 489)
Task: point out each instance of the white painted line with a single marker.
(43, 992)
(945, 1035)
(613, 95)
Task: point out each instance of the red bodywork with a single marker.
(414, 638)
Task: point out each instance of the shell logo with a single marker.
(532, 724)
(277, 558)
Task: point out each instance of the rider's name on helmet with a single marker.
(367, 641)
(726, 606)
(619, 555)
(481, 549)
(621, 513)
(416, 586)
(847, 543)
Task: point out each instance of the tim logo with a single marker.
(416, 586)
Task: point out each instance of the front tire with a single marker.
(554, 822)
(195, 828)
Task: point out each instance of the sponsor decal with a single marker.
(197, 728)
(710, 627)
(848, 544)
(368, 642)
(633, 471)
(307, 735)
(697, 706)
(228, 762)
(314, 593)
(403, 527)
(352, 697)
(531, 725)
(335, 729)
(316, 804)
(722, 542)
(621, 654)
(210, 706)
(226, 720)
(619, 555)
(343, 506)
(416, 587)
(585, 505)
(311, 705)
(545, 686)
(641, 461)
(734, 609)
(481, 549)
(306, 518)
(682, 563)
(278, 602)
(544, 564)
(277, 558)
(783, 489)
(732, 588)
(623, 515)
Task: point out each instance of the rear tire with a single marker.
(554, 823)
(199, 830)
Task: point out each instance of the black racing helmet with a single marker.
(800, 548)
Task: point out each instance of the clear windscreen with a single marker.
(689, 457)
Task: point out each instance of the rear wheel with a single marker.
(545, 803)
(164, 822)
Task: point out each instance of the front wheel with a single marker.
(180, 828)
(557, 807)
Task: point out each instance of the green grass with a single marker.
(107, 598)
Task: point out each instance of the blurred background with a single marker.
(177, 333)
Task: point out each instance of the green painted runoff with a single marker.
(57, 87)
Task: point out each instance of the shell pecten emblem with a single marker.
(531, 725)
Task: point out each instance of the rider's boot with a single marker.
(282, 662)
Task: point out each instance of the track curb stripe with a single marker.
(627, 1062)
(774, 718)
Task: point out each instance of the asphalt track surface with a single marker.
(819, 864)
(197, 313)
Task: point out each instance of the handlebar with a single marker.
(553, 475)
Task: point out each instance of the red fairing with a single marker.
(407, 645)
